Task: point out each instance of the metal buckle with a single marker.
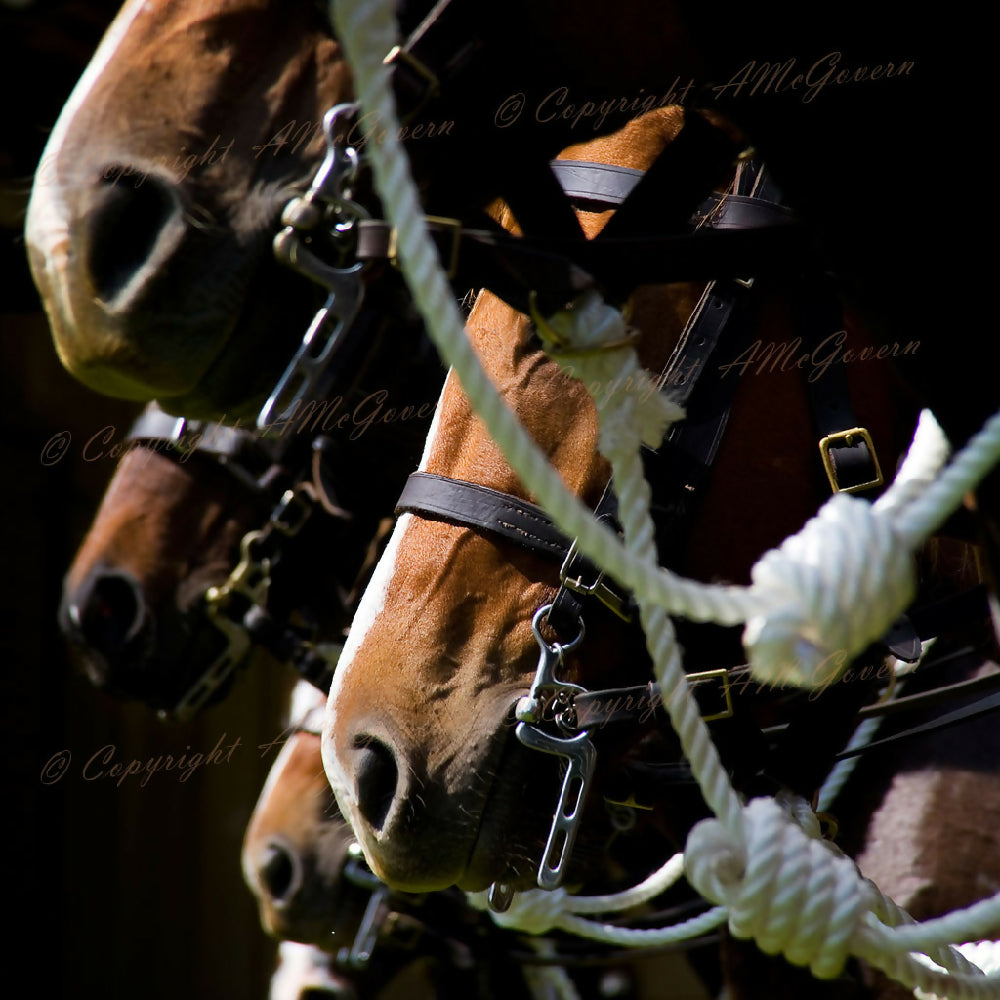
(456, 243)
(292, 512)
(397, 54)
(251, 578)
(847, 437)
(599, 589)
(710, 675)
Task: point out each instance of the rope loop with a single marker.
(535, 911)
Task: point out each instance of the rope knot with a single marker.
(827, 592)
(590, 341)
(535, 911)
(793, 894)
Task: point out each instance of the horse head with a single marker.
(296, 844)
(194, 531)
(419, 739)
(154, 204)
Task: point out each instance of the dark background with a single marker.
(117, 891)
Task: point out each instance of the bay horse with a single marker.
(418, 742)
(171, 526)
(313, 895)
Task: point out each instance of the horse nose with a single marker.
(132, 219)
(376, 778)
(107, 614)
(279, 874)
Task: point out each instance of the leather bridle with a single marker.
(561, 718)
(238, 608)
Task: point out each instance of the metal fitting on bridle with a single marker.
(327, 213)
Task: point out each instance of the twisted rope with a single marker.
(539, 912)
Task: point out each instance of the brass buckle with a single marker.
(456, 243)
(599, 589)
(292, 512)
(251, 578)
(827, 443)
(721, 673)
(397, 54)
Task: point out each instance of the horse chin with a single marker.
(515, 820)
(136, 358)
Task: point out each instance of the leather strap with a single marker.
(981, 706)
(242, 453)
(820, 318)
(153, 425)
(602, 184)
(742, 212)
(443, 46)
(469, 505)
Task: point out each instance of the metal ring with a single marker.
(558, 647)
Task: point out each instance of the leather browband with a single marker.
(469, 505)
(605, 183)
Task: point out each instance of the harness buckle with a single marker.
(846, 439)
(720, 674)
(292, 512)
(428, 84)
(598, 588)
(454, 225)
(251, 578)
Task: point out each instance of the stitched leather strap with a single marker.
(469, 505)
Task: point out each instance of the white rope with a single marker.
(539, 912)
(824, 910)
(984, 954)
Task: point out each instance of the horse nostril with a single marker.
(376, 778)
(131, 212)
(111, 613)
(279, 874)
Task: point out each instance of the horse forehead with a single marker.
(297, 768)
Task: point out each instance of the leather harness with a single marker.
(680, 470)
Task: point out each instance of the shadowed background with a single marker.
(119, 891)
